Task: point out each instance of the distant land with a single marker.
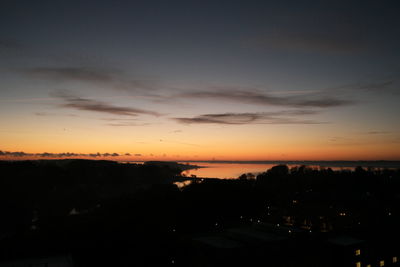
(172, 165)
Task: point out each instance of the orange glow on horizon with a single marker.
(204, 144)
(315, 155)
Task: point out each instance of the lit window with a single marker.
(358, 252)
(394, 259)
(382, 263)
(358, 264)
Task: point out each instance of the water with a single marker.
(226, 170)
(229, 170)
(234, 170)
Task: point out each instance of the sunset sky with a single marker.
(200, 80)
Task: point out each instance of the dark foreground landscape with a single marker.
(104, 213)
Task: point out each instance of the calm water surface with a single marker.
(226, 170)
(234, 169)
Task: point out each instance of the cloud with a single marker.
(79, 103)
(259, 98)
(113, 78)
(180, 143)
(127, 124)
(9, 44)
(20, 154)
(42, 114)
(73, 73)
(334, 41)
(284, 117)
(377, 85)
(377, 132)
(124, 122)
(13, 154)
(340, 139)
(11, 48)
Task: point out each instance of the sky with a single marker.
(200, 80)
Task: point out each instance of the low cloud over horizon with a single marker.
(21, 154)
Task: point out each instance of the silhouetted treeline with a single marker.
(365, 196)
(106, 213)
(52, 188)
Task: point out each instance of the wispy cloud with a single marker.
(73, 73)
(110, 77)
(283, 117)
(9, 44)
(71, 67)
(180, 143)
(261, 98)
(118, 122)
(127, 124)
(47, 114)
(86, 104)
(341, 40)
(377, 85)
(377, 132)
(43, 114)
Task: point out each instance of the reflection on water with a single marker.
(226, 170)
(182, 184)
(234, 170)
